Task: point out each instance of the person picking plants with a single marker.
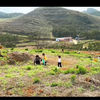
(37, 60)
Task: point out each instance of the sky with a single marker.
(29, 9)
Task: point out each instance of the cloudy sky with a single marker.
(28, 9)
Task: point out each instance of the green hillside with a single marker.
(9, 15)
(56, 20)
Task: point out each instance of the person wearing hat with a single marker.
(37, 60)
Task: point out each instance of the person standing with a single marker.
(59, 62)
(45, 59)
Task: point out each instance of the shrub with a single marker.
(66, 71)
(4, 51)
(36, 80)
(66, 52)
(73, 78)
(77, 66)
(81, 70)
(54, 69)
(72, 70)
(40, 50)
(54, 84)
(52, 51)
(89, 56)
(52, 73)
(28, 67)
(26, 49)
(12, 48)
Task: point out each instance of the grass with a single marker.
(54, 84)
(36, 80)
(49, 76)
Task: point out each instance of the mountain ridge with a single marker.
(56, 20)
(9, 15)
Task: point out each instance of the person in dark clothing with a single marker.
(37, 60)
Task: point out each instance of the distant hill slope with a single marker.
(9, 15)
(56, 20)
(92, 11)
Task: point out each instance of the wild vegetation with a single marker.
(23, 79)
(80, 71)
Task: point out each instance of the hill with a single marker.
(9, 15)
(92, 11)
(56, 20)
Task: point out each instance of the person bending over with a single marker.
(37, 60)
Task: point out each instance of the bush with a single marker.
(72, 70)
(52, 73)
(40, 50)
(77, 66)
(12, 48)
(28, 67)
(54, 69)
(26, 49)
(36, 80)
(54, 84)
(81, 70)
(66, 71)
(73, 78)
(5, 51)
(66, 52)
(52, 51)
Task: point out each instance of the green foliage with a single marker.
(9, 15)
(81, 70)
(92, 88)
(5, 51)
(73, 78)
(60, 21)
(54, 69)
(9, 75)
(66, 52)
(81, 89)
(94, 46)
(54, 84)
(68, 84)
(26, 49)
(77, 66)
(52, 73)
(66, 71)
(29, 67)
(40, 50)
(36, 80)
(72, 70)
(12, 48)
